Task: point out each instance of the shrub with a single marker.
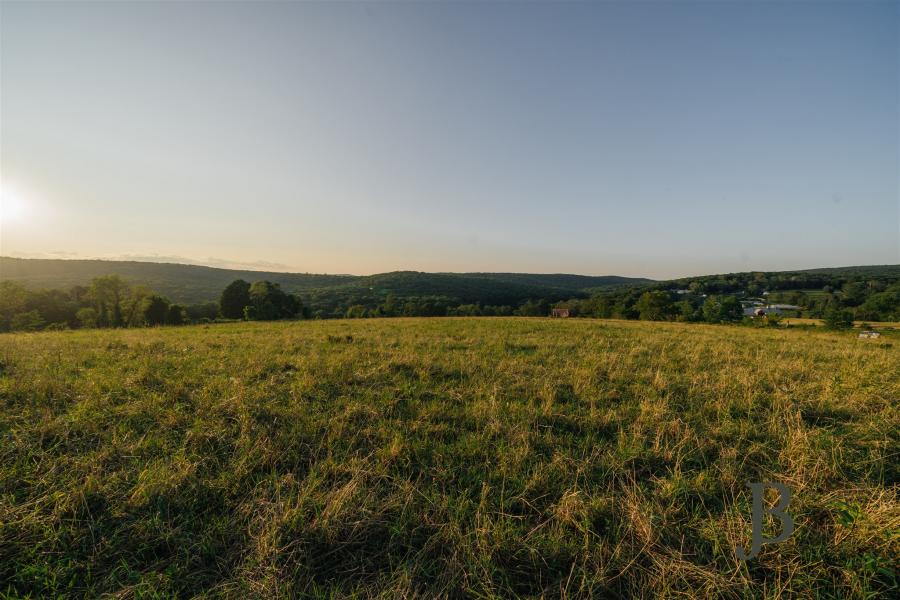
(26, 321)
(836, 318)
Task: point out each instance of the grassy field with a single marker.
(445, 458)
(869, 324)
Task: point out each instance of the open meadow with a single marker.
(873, 325)
(446, 457)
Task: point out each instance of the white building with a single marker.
(770, 309)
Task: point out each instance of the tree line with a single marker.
(838, 296)
(717, 299)
(865, 293)
(110, 301)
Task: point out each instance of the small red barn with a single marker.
(562, 313)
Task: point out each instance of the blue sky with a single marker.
(657, 139)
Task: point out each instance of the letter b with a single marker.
(787, 523)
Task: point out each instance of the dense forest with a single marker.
(838, 295)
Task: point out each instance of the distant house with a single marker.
(751, 307)
(562, 313)
(754, 310)
(778, 309)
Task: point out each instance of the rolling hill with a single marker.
(180, 283)
(332, 295)
(194, 284)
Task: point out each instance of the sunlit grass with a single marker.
(445, 457)
(819, 322)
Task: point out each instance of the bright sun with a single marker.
(13, 208)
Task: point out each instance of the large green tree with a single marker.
(719, 309)
(234, 299)
(175, 315)
(87, 316)
(654, 306)
(837, 318)
(534, 308)
(133, 306)
(883, 306)
(27, 321)
(156, 308)
(108, 292)
(12, 301)
(269, 302)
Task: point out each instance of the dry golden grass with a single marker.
(445, 458)
(819, 322)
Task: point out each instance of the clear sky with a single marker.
(657, 139)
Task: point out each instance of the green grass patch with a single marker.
(445, 458)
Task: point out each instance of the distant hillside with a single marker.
(891, 272)
(806, 279)
(868, 292)
(458, 288)
(194, 284)
(562, 280)
(180, 283)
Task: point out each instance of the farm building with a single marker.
(778, 309)
(770, 309)
(562, 313)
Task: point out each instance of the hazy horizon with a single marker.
(215, 263)
(656, 140)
